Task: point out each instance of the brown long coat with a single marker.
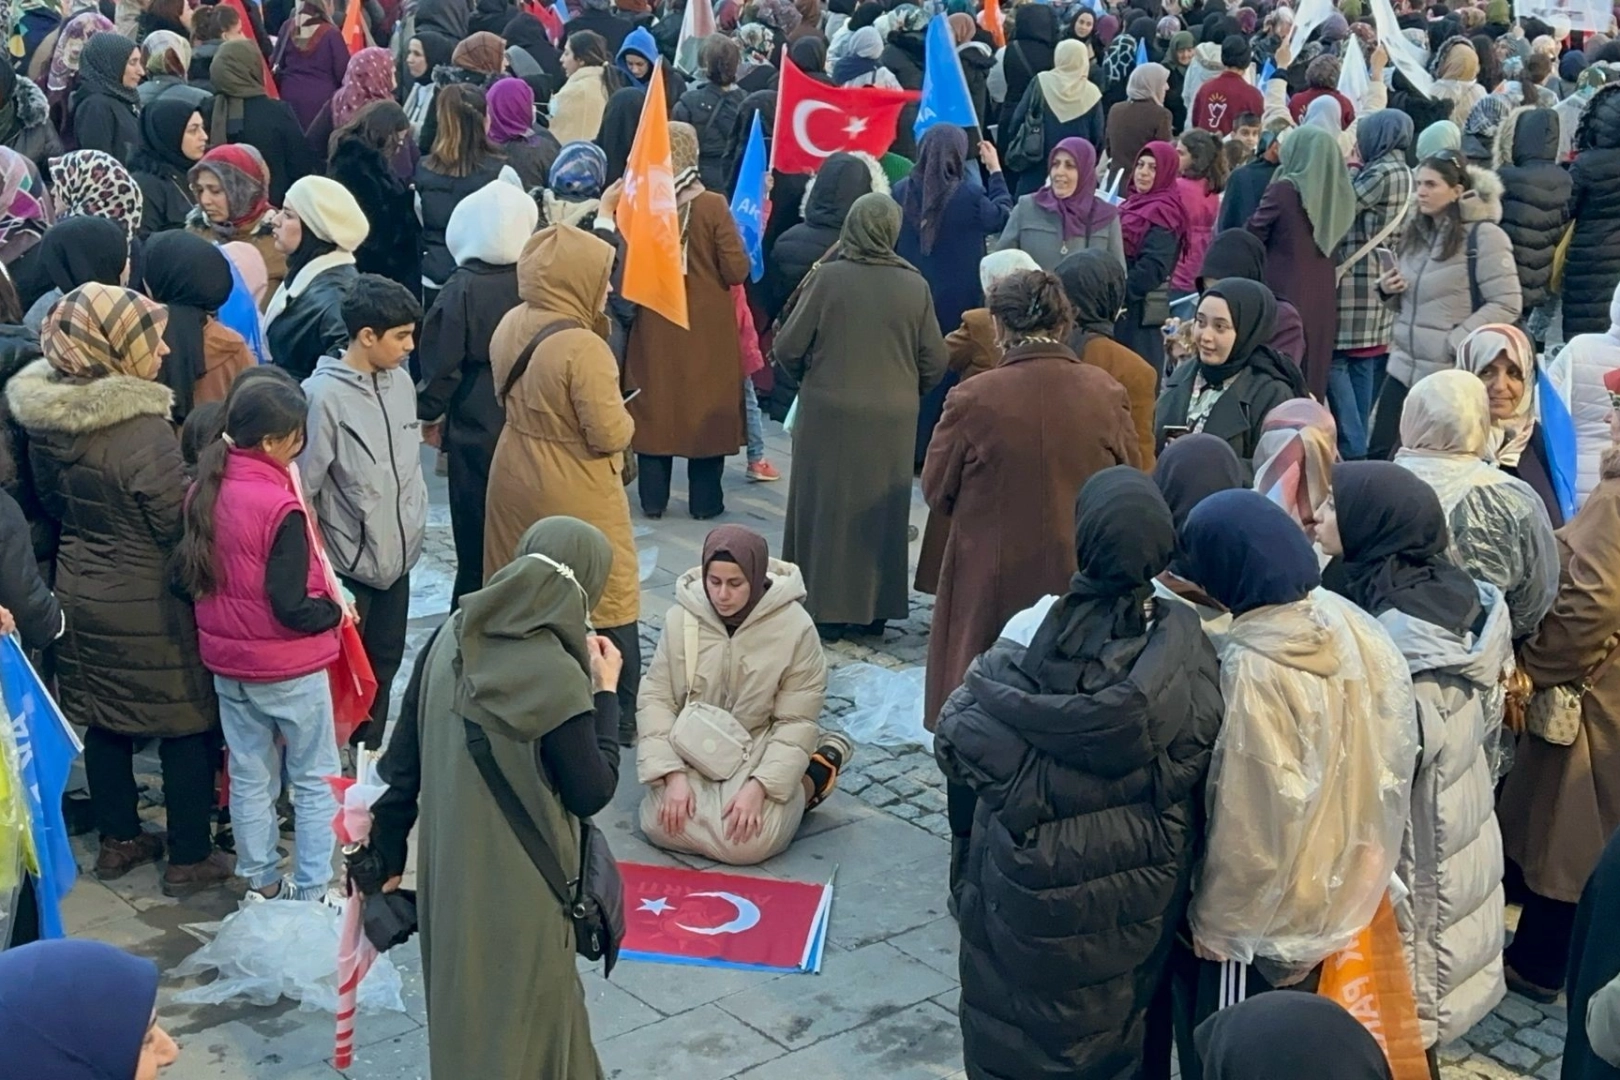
(690, 403)
(1562, 803)
(566, 425)
(1008, 460)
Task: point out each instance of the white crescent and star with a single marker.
(854, 126)
(746, 919)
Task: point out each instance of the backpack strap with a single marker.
(1474, 296)
(522, 365)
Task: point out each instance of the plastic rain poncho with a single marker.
(1309, 785)
(1500, 531)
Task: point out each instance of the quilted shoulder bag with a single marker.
(1554, 714)
(706, 736)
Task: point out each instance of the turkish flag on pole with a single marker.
(992, 20)
(815, 121)
(653, 275)
(354, 31)
(701, 917)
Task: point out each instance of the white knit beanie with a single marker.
(492, 224)
(328, 210)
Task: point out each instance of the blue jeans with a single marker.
(1351, 385)
(252, 715)
(755, 422)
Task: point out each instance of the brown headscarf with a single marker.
(747, 549)
(482, 52)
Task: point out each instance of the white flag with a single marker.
(1354, 82)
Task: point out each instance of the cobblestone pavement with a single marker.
(886, 1003)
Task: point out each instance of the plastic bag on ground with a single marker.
(282, 948)
(646, 562)
(888, 705)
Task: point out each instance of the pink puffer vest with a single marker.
(239, 635)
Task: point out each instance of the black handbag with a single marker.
(594, 897)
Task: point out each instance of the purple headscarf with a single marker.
(1107, 30)
(1161, 206)
(511, 111)
(1081, 213)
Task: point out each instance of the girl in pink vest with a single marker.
(267, 625)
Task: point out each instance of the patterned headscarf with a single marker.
(17, 205)
(907, 17)
(241, 171)
(580, 171)
(99, 330)
(93, 183)
(70, 43)
(167, 53)
(757, 42)
(483, 52)
(1293, 459)
(780, 15)
(370, 77)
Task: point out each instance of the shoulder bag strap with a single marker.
(522, 365)
(523, 826)
(689, 643)
(1474, 296)
(1366, 249)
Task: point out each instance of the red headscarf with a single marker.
(1160, 206)
(245, 178)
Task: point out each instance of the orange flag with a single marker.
(653, 276)
(354, 34)
(991, 19)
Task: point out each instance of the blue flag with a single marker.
(46, 747)
(1141, 51)
(1267, 73)
(560, 9)
(748, 201)
(945, 98)
(1558, 438)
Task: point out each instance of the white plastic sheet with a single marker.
(281, 948)
(887, 705)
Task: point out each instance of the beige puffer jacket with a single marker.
(771, 676)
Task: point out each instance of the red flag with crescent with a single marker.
(815, 121)
(700, 917)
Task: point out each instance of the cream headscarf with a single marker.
(1067, 89)
(1478, 351)
(1447, 414)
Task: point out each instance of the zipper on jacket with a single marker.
(393, 463)
(343, 425)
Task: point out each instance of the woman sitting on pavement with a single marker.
(739, 657)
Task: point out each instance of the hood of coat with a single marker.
(41, 401)
(1208, 57)
(787, 587)
(1528, 136)
(1112, 731)
(564, 269)
(33, 108)
(1484, 201)
(834, 187)
(976, 54)
(1478, 658)
(1298, 635)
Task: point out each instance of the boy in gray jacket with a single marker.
(362, 472)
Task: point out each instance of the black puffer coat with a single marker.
(904, 55)
(106, 463)
(1034, 42)
(19, 347)
(1593, 267)
(842, 179)
(1535, 196)
(1089, 822)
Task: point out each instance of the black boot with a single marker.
(959, 855)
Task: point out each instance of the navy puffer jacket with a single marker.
(1535, 196)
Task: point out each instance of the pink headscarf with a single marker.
(1160, 206)
(250, 264)
(369, 77)
(1293, 459)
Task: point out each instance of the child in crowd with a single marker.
(267, 628)
(362, 472)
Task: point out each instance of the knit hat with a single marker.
(492, 224)
(329, 211)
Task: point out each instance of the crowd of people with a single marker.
(1262, 388)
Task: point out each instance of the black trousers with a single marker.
(1540, 949)
(188, 790)
(383, 615)
(702, 484)
(469, 487)
(1385, 437)
(627, 639)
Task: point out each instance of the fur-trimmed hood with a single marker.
(41, 400)
(838, 194)
(33, 109)
(1486, 186)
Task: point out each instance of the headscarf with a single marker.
(1460, 63)
(1394, 534)
(72, 1007)
(163, 125)
(780, 15)
(1438, 136)
(98, 330)
(250, 283)
(861, 58)
(1233, 253)
(525, 663)
(683, 156)
(70, 43)
(1313, 163)
(1498, 13)
(511, 111)
(1254, 319)
(1447, 413)
(101, 66)
(1161, 206)
(160, 46)
(941, 163)
(1246, 553)
(1478, 351)
(237, 73)
(1325, 113)
(1188, 471)
(809, 55)
(1067, 89)
(1288, 1036)
(618, 131)
(82, 249)
(1094, 281)
(1149, 82)
(757, 41)
(962, 27)
(751, 553)
(580, 172)
(1485, 118)
(93, 182)
(1119, 60)
(1334, 28)
(1294, 456)
(1123, 539)
(18, 206)
(871, 229)
(1107, 29)
(311, 23)
(369, 77)
(907, 18)
(245, 178)
(483, 52)
(1082, 212)
(1386, 131)
(193, 279)
(1570, 66)
(1181, 40)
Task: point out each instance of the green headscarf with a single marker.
(1497, 13)
(1353, 11)
(237, 73)
(1312, 162)
(871, 229)
(1181, 39)
(525, 667)
(1438, 136)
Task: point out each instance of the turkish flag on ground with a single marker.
(653, 275)
(815, 121)
(696, 916)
